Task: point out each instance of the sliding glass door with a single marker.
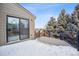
(13, 29)
(17, 29)
(24, 29)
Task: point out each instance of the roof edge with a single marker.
(26, 10)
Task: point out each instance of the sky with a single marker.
(43, 11)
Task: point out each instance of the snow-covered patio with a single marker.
(37, 48)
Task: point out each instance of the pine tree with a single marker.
(61, 21)
(77, 10)
(65, 22)
(51, 24)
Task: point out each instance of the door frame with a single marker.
(19, 27)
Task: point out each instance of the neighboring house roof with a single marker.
(25, 10)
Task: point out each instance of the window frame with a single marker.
(19, 27)
(20, 31)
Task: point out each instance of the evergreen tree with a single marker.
(65, 22)
(51, 24)
(61, 21)
(77, 10)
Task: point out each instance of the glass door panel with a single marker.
(24, 31)
(13, 29)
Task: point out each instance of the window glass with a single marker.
(23, 28)
(17, 29)
(13, 29)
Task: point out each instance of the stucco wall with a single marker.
(14, 10)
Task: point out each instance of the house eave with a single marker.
(26, 10)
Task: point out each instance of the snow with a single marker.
(53, 41)
(36, 48)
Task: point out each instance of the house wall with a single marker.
(14, 10)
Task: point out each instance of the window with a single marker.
(23, 28)
(17, 29)
(13, 29)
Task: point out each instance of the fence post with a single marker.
(44, 33)
(49, 33)
(77, 37)
(39, 33)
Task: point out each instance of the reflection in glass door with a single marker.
(13, 29)
(17, 28)
(23, 29)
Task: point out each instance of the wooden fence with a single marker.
(42, 33)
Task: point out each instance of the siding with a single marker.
(14, 10)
